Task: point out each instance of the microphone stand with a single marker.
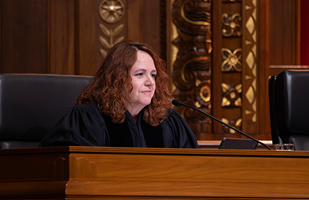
(178, 103)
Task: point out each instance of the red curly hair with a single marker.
(112, 83)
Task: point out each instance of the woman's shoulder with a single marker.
(175, 118)
(172, 112)
(173, 115)
(88, 109)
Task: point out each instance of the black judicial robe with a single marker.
(84, 125)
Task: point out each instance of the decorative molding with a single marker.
(111, 34)
(235, 123)
(196, 16)
(231, 60)
(110, 11)
(231, 25)
(88, 167)
(232, 64)
(250, 65)
(57, 167)
(231, 95)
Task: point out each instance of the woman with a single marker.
(126, 105)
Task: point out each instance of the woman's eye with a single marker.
(154, 75)
(139, 74)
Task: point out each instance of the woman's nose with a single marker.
(150, 81)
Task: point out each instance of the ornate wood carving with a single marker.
(231, 60)
(232, 65)
(250, 68)
(192, 67)
(231, 25)
(111, 12)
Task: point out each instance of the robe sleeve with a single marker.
(182, 134)
(83, 125)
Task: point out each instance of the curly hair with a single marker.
(112, 83)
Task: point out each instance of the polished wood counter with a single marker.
(153, 173)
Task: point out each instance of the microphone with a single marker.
(176, 102)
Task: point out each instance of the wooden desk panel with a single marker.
(143, 173)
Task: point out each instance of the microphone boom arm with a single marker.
(231, 127)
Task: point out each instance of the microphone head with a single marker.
(176, 102)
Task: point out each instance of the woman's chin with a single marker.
(146, 103)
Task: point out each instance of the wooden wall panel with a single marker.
(65, 36)
(24, 36)
(134, 20)
(284, 33)
(87, 51)
(144, 16)
(61, 30)
(95, 35)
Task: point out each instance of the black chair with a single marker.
(289, 108)
(31, 104)
(276, 139)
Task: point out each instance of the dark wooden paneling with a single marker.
(24, 36)
(61, 28)
(283, 32)
(151, 24)
(62, 36)
(144, 22)
(141, 23)
(134, 11)
(86, 37)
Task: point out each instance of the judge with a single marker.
(127, 104)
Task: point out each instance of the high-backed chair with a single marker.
(276, 139)
(289, 108)
(31, 104)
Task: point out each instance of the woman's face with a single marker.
(143, 74)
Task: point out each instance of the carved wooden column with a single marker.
(216, 68)
(192, 67)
